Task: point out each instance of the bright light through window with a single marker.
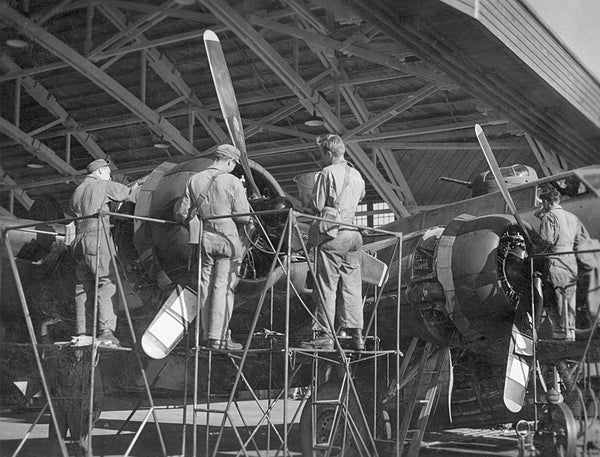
(374, 214)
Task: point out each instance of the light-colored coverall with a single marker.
(91, 196)
(221, 248)
(560, 230)
(338, 260)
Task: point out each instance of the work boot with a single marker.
(357, 342)
(227, 344)
(321, 341)
(108, 338)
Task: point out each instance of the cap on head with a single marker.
(229, 151)
(96, 164)
(333, 143)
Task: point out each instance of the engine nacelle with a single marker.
(164, 249)
(466, 278)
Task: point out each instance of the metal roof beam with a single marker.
(420, 69)
(423, 131)
(42, 96)
(21, 196)
(48, 41)
(429, 146)
(169, 74)
(393, 111)
(395, 176)
(166, 11)
(35, 147)
(143, 24)
(307, 95)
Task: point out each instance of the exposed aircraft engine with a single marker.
(467, 278)
(163, 250)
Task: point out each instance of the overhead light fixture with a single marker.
(161, 144)
(314, 121)
(16, 43)
(36, 165)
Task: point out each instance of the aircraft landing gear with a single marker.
(338, 431)
(557, 433)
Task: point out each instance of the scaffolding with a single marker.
(91, 347)
(567, 412)
(349, 425)
(335, 415)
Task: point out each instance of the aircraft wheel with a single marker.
(557, 436)
(325, 418)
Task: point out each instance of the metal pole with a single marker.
(143, 67)
(17, 102)
(197, 349)
(94, 352)
(286, 374)
(35, 422)
(134, 341)
(33, 339)
(399, 282)
(259, 306)
(534, 343)
(185, 391)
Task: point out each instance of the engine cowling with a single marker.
(163, 249)
(465, 279)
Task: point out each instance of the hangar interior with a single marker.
(403, 83)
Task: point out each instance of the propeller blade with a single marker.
(227, 101)
(495, 169)
(519, 362)
(520, 350)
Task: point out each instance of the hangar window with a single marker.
(374, 214)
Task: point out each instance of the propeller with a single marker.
(520, 351)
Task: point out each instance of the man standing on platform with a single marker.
(216, 192)
(338, 274)
(560, 231)
(93, 247)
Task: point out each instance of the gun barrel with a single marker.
(456, 181)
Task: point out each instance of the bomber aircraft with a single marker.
(464, 267)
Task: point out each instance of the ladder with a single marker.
(422, 393)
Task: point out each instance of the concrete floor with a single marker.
(14, 425)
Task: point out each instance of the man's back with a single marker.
(224, 196)
(561, 229)
(330, 187)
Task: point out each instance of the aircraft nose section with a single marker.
(481, 264)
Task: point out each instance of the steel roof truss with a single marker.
(48, 41)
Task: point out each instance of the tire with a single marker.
(324, 416)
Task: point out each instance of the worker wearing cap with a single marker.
(95, 194)
(216, 192)
(560, 231)
(338, 260)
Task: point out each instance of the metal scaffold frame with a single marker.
(562, 422)
(102, 230)
(347, 398)
(350, 419)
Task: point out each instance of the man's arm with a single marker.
(118, 192)
(549, 229)
(240, 203)
(183, 207)
(323, 191)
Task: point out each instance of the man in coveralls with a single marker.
(560, 231)
(92, 195)
(216, 192)
(338, 260)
